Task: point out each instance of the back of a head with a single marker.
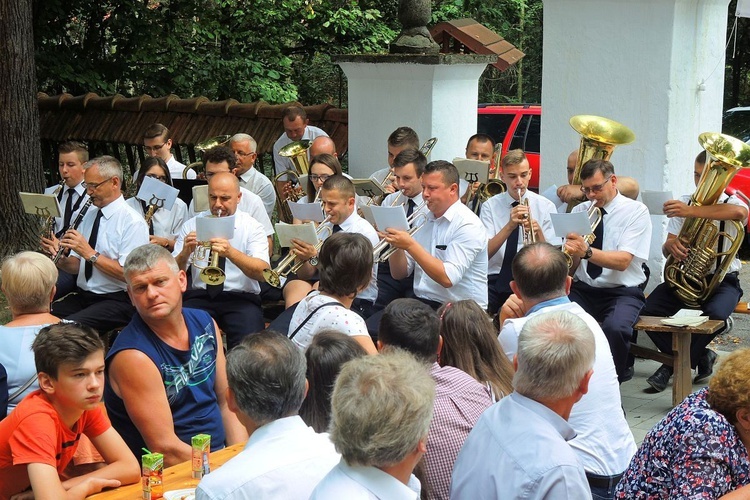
(325, 355)
(28, 280)
(266, 373)
(555, 351)
(146, 257)
(381, 408)
(220, 154)
(404, 137)
(411, 325)
(64, 343)
(540, 271)
(345, 264)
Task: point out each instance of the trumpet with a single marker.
(595, 218)
(529, 233)
(383, 250)
(287, 265)
(211, 273)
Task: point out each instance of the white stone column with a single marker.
(656, 66)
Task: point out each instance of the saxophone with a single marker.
(48, 224)
(689, 278)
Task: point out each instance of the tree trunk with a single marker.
(19, 127)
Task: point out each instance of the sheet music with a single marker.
(472, 170)
(390, 218)
(655, 200)
(367, 215)
(214, 227)
(200, 198)
(551, 194)
(306, 211)
(43, 205)
(577, 222)
(157, 193)
(367, 187)
(304, 232)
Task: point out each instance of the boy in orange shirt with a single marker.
(38, 439)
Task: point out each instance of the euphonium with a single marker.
(201, 147)
(287, 265)
(297, 153)
(595, 218)
(383, 250)
(599, 137)
(529, 234)
(689, 278)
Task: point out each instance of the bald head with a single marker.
(540, 272)
(322, 145)
(223, 194)
(572, 160)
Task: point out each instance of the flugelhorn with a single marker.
(297, 154)
(287, 265)
(529, 234)
(211, 273)
(595, 218)
(383, 250)
(74, 225)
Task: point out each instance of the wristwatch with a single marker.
(94, 258)
(314, 261)
(588, 253)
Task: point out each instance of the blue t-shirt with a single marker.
(188, 378)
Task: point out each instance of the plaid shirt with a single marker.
(459, 402)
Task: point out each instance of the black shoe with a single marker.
(660, 379)
(627, 374)
(705, 366)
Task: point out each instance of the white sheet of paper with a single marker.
(214, 227)
(157, 193)
(306, 211)
(367, 214)
(472, 170)
(551, 194)
(304, 232)
(390, 218)
(571, 223)
(43, 205)
(200, 198)
(655, 200)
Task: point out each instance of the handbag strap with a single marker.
(304, 321)
(21, 389)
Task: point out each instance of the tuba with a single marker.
(202, 147)
(599, 137)
(297, 153)
(688, 278)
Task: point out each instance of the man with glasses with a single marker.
(157, 141)
(627, 186)
(245, 147)
(607, 272)
(98, 249)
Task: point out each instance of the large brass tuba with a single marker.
(202, 147)
(688, 278)
(297, 153)
(599, 137)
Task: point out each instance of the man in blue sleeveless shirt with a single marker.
(166, 370)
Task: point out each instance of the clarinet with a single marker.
(74, 225)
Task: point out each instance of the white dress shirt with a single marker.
(284, 459)
(459, 240)
(354, 482)
(356, 224)
(627, 228)
(257, 183)
(167, 223)
(496, 214)
(176, 168)
(248, 238)
(79, 195)
(251, 204)
(282, 163)
(604, 443)
(121, 230)
(675, 225)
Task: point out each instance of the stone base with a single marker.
(414, 41)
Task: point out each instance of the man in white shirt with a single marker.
(479, 147)
(235, 302)
(245, 147)
(380, 415)
(284, 458)
(296, 128)
(570, 192)
(98, 249)
(603, 443)
(157, 141)
(507, 218)
(401, 139)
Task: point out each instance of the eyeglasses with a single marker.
(597, 188)
(162, 178)
(93, 187)
(243, 154)
(154, 148)
(316, 177)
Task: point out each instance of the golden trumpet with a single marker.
(287, 265)
(529, 233)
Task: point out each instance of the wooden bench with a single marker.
(680, 359)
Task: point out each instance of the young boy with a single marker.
(38, 439)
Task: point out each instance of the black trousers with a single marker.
(238, 314)
(720, 305)
(101, 311)
(66, 283)
(617, 309)
(496, 294)
(390, 289)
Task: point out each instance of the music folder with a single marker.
(368, 188)
(157, 193)
(472, 170)
(43, 205)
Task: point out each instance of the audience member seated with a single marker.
(345, 270)
(284, 458)
(470, 344)
(459, 399)
(166, 371)
(325, 355)
(700, 449)
(39, 438)
(381, 411)
(520, 444)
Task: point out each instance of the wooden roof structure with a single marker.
(466, 36)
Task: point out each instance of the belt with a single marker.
(607, 482)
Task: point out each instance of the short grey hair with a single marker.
(145, 257)
(245, 138)
(28, 280)
(555, 350)
(266, 373)
(109, 166)
(381, 408)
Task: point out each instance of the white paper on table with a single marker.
(577, 222)
(304, 232)
(551, 194)
(390, 218)
(367, 214)
(472, 170)
(685, 317)
(43, 205)
(214, 227)
(655, 200)
(306, 211)
(157, 193)
(200, 198)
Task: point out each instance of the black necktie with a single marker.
(410, 210)
(68, 207)
(511, 247)
(594, 270)
(88, 267)
(336, 228)
(214, 290)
